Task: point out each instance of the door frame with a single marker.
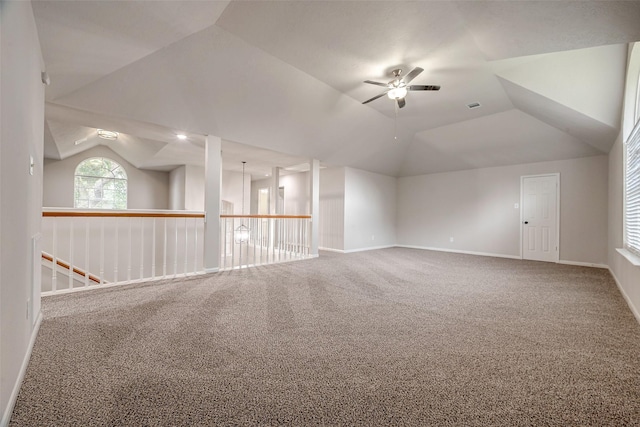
(522, 178)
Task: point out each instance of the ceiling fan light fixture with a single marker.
(107, 134)
(181, 136)
(397, 92)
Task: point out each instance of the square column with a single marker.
(314, 196)
(212, 191)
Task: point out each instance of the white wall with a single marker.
(626, 274)
(146, 189)
(21, 137)
(331, 226)
(369, 210)
(232, 191)
(194, 188)
(296, 193)
(187, 189)
(476, 208)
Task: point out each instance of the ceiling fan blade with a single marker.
(412, 75)
(375, 97)
(376, 83)
(401, 102)
(423, 87)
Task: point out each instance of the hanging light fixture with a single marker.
(241, 233)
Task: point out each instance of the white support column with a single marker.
(275, 191)
(213, 179)
(314, 195)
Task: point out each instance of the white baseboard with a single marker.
(370, 248)
(583, 264)
(459, 251)
(6, 416)
(633, 309)
(340, 251)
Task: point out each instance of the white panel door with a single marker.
(540, 218)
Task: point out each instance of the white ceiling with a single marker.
(282, 81)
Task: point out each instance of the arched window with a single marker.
(100, 183)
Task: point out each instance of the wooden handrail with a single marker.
(268, 216)
(122, 214)
(66, 266)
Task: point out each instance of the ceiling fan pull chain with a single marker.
(395, 128)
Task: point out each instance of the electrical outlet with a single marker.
(516, 205)
(451, 239)
(373, 237)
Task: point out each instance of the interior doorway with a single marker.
(540, 197)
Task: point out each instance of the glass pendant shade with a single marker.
(397, 93)
(241, 234)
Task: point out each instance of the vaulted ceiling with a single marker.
(284, 80)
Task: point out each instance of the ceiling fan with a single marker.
(398, 88)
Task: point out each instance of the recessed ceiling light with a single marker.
(474, 105)
(107, 134)
(181, 136)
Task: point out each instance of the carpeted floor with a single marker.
(387, 337)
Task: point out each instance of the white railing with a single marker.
(269, 239)
(84, 249)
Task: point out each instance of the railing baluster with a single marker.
(186, 245)
(195, 245)
(130, 251)
(255, 226)
(87, 257)
(175, 248)
(117, 252)
(223, 250)
(153, 249)
(54, 265)
(164, 262)
(141, 248)
(70, 255)
(102, 251)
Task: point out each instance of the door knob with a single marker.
(526, 222)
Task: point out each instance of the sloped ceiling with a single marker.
(285, 79)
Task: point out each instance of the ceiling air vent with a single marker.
(474, 105)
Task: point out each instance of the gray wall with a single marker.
(146, 189)
(369, 210)
(21, 137)
(476, 207)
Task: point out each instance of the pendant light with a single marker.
(241, 234)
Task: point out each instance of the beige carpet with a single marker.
(388, 337)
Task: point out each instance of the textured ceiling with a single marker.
(286, 77)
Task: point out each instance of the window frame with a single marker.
(111, 182)
(631, 223)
